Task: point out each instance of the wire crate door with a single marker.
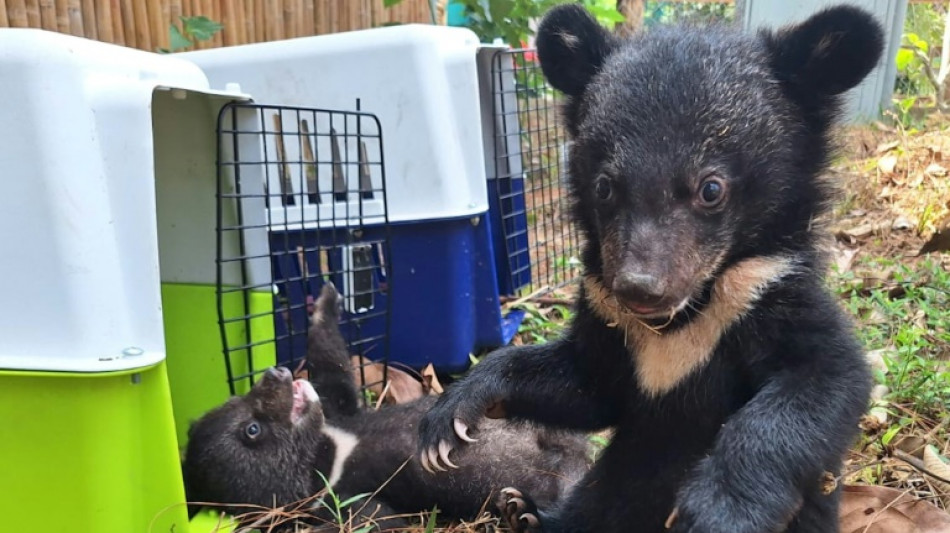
(538, 245)
(301, 201)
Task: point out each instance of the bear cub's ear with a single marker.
(572, 47)
(827, 54)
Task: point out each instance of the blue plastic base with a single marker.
(509, 225)
(441, 283)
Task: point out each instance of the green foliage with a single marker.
(542, 324)
(430, 524)
(923, 31)
(666, 12)
(511, 20)
(193, 29)
(906, 316)
(903, 112)
(337, 507)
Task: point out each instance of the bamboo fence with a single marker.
(144, 24)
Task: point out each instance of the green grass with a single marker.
(908, 316)
(542, 324)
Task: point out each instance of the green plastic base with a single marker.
(89, 453)
(196, 369)
(209, 521)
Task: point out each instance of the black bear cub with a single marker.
(264, 449)
(704, 333)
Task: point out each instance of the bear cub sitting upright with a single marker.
(704, 333)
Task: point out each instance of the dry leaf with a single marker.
(875, 358)
(936, 464)
(902, 223)
(844, 258)
(401, 386)
(430, 382)
(887, 147)
(880, 414)
(879, 392)
(859, 232)
(936, 170)
(887, 163)
(874, 509)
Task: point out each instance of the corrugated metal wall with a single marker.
(865, 101)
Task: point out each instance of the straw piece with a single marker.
(286, 188)
(310, 167)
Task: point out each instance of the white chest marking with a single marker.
(345, 443)
(664, 359)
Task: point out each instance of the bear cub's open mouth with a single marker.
(304, 396)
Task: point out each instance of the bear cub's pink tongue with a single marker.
(304, 395)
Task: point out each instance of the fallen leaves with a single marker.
(875, 509)
(901, 179)
(939, 472)
(400, 386)
(887, 164)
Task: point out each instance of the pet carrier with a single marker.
(423, 83)
(165, 224)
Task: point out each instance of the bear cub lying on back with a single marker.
(704, 333)
(265, 448)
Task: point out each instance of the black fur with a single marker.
(327, 357)
(740, 444)
(279, 467)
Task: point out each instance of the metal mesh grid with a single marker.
(541, 244)
(301, 201)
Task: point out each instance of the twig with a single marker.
(524, 299)
(918, 464)
(929, 72)
(890, 504)
(540, 300)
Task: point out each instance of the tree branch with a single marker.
(929, 72)
(945, 51)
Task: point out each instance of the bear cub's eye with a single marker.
(712, 191)
(253, 430)
(602, 189)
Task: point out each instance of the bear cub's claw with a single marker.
(518, 511)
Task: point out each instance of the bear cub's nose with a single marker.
(641, 293)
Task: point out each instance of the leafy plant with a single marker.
(667, 12)
(905, 315)
(903, 112)
(339, 506)
(543, 324)
(921, 62)
(193, 29)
